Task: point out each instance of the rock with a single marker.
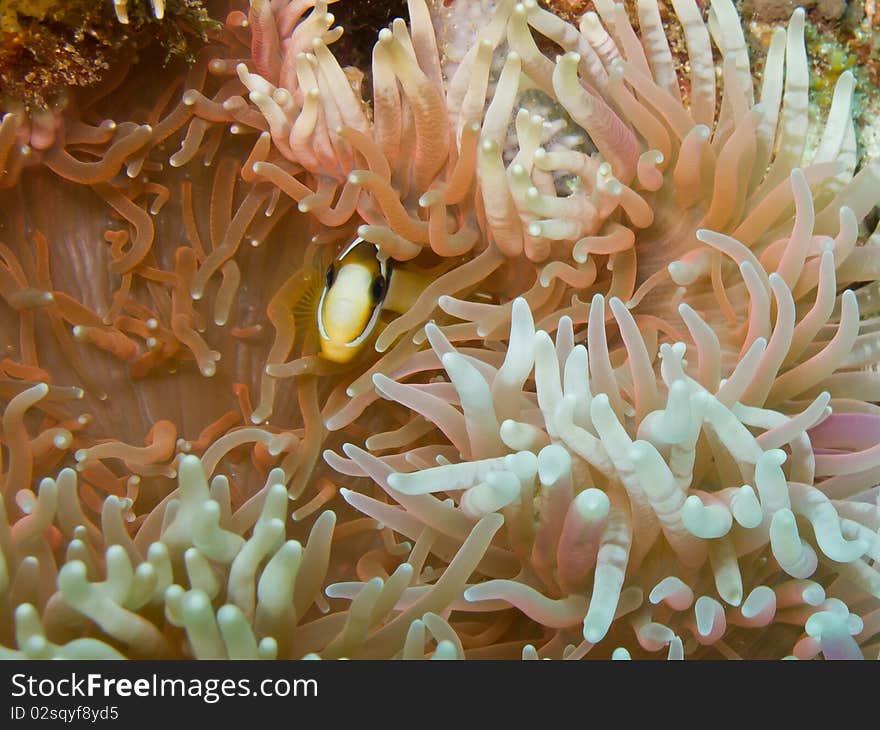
(771, 10)
(831, 9)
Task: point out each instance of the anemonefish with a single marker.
(360, 284)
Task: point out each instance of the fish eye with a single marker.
(331, 275)
(379, 287)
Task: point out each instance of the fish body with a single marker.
(351, 302)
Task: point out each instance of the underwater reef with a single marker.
(439, 329)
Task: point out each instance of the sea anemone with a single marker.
(584, 162)
(674, 511)
(51, 48)
(649, 381)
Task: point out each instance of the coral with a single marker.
(51, 47)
